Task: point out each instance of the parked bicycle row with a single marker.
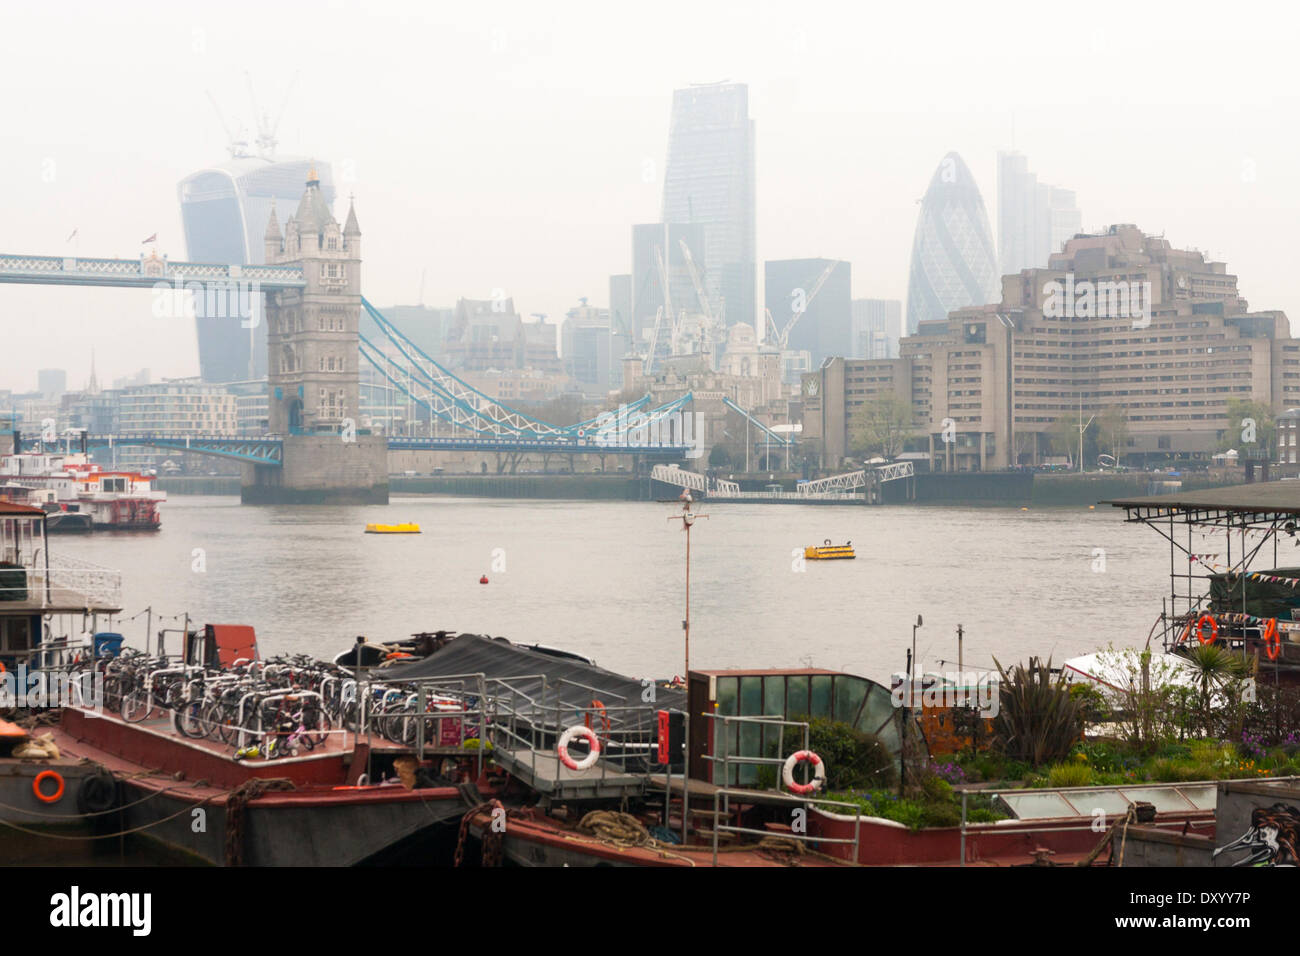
(278, 707)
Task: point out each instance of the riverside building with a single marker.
(1159, 334)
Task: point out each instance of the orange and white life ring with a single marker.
(1272, 641)
(1200, 629)
(41, 777)
(819, 772)
(566, 738)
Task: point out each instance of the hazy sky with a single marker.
(504, 145)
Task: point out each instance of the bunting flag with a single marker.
(1271, 579)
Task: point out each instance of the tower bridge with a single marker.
(309, 295)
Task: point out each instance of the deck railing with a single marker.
(66, 582)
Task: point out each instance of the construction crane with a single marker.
(665, 309)
(266, 129)
(712, 325)
(783, 336)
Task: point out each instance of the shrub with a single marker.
(1038, 721)
(1070, 775)
(854, 760)
(1091, 701)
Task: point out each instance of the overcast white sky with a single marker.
(504, 144)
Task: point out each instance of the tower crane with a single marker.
(712, 326)
(665, 309)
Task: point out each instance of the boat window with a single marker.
(878, 710)
(796, 701)
(751, 744)
(751, 696)
(727, 696)
(15, 634)
(849, 692)
(821, 696)
(774, 696)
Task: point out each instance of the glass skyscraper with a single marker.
(709, 180)
(953, 262)
(224, 211)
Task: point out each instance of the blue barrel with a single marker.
(107, 644)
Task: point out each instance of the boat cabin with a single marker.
(48, 608)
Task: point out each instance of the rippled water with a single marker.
(606, 579)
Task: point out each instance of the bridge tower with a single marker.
(313, 388)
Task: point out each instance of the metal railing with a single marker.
(722, 741)
(727, 794)
(535, 723)
(413, 710)
(66, 582)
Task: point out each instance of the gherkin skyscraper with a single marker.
(954, 263)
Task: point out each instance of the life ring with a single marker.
(566, 738)
(819, 772)
(1187, 632)
(604, 717)
(1200, 629)
(1272, 641)
(56, 796)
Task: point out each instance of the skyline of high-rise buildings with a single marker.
(709, 180)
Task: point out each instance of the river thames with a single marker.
(606, 579)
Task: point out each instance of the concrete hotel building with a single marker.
(1004, 374)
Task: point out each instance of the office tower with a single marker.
(953, 262)
(709, 180)
(816, 295)
(877, 327)
(51, 382)
(1034, 219)
(620, 304)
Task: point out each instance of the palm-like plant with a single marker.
(1037, 721)
(1216, 667)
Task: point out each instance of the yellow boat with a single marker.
(408, 527)
(828, 551)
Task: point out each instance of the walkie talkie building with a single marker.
(954, 264)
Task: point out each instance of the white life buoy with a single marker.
(566, 738)
(819, 772)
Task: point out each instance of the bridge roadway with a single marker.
(269, 449)
(145, 273)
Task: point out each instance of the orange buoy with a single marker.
(483, 580)
(41, 778)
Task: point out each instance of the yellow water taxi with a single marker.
(828, 551)
(407, 527)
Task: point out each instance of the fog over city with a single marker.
(512, 146)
